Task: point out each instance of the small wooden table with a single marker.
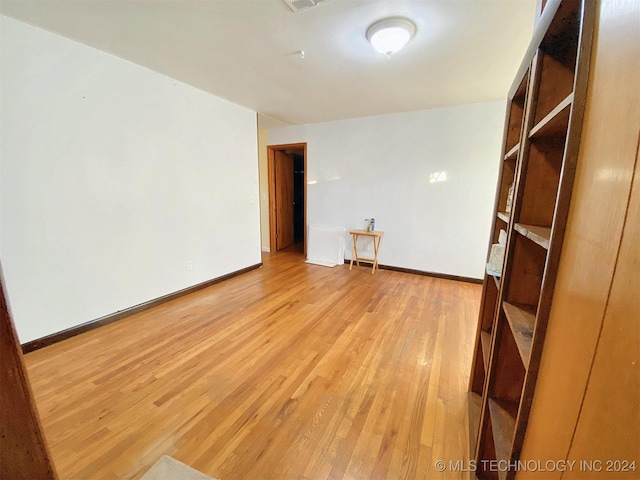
(376, 236)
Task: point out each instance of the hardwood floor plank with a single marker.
(290, 371)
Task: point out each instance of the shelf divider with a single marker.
(539, 235)
(503, 422)
(475, 410)
(513, 152)
(485, 339)
(521, 319)
(555, 122)
(504, 216)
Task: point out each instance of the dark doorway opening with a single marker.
(298, 198)
(287, 196)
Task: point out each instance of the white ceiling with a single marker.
(247, 51)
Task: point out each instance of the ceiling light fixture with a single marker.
(389, 35)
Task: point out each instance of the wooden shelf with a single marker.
(504, 216)
(503, 423)
(513, 153)
(485, 340)
(521, 320)
(525, 265)
(557, 77)
(475, 409)
(556, 122)
(564, 29)
(539, 188)
(516, 116)
(520, 95)
(539, 235)
(541, 137)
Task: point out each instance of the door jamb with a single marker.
(271, 149)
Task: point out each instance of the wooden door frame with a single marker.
(271, 152)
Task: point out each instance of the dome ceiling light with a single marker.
(389, 35)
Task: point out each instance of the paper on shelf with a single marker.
(496, 257)
(502, 238)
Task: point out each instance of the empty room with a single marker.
(320, 239)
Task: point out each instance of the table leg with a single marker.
(376, 244)
(354, 251)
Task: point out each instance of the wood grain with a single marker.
(513, 153)
(24, 453)
(609, 425)
(521, 320)
(539, 235)
(541, 183)
(526, 272)
(556, 122)
(503, 216)
(291, 371)
(503, 422)
(284, 199)
(508, 370)
(485, 341)
(599, 207)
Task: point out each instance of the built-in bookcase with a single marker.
(541, 140)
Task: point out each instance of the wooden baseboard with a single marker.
(445, 276)
(99, 322)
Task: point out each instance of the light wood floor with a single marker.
(291, 371)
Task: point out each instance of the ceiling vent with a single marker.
(304, 5)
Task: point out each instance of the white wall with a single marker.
(380, 167)
(264, 190)
(112, 178)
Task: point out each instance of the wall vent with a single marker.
(303, 5)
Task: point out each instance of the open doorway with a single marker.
(287, 166)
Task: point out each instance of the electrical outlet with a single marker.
(189, 266)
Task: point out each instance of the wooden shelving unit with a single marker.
(503, 420)
(504, 216)
(522, 321)
(555, 123)
(541, 138)
(539, 235)
(513, 153)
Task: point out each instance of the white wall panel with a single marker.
(112, 178)
(381, 166)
